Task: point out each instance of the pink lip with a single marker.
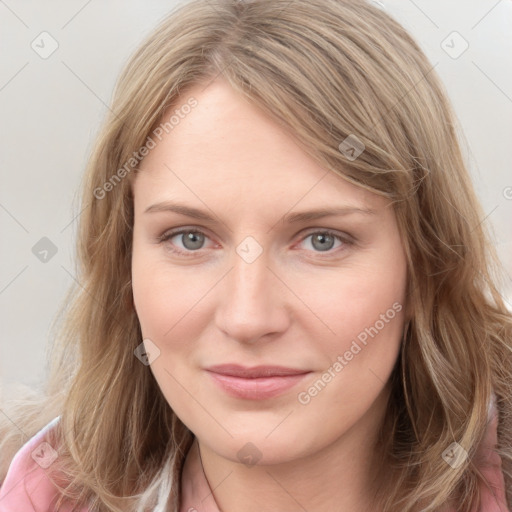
(255, 383)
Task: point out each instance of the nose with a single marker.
(252, 301)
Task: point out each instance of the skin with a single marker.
(295, 305)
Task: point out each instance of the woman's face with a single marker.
(250, 282)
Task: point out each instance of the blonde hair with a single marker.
(324, 70)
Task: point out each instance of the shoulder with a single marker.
(489, 465)
(26, 486)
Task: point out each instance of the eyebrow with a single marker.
(296, 217)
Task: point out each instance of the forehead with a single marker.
(227, 147)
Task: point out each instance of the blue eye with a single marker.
(193, 241)
(325, 239)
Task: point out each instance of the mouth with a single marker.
(257, 383)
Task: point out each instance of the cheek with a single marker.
(375, 301)
(157, 296)
(163, 307)
(153, 302)
(168, 302)
(367, 316)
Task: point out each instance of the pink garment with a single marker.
(27, 488)
(489, 463)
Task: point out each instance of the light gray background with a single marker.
(51, 109)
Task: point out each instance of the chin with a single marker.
(256, 446)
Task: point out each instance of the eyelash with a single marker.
(171, 234)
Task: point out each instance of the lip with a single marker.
(236, 370)
(256, 383)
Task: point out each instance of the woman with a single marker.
(221, 358)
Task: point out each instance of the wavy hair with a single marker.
(324, 70)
